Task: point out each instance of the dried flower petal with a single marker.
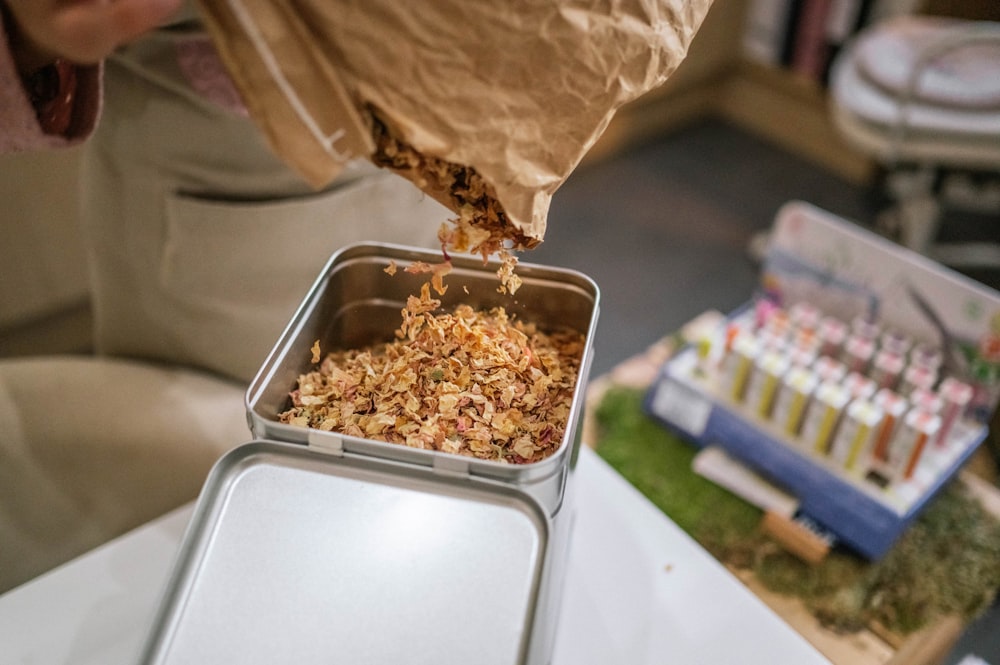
(469, 382)
(481, 227)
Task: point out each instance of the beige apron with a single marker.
(201, 244)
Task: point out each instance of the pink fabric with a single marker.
(204, 71)
(19, 128)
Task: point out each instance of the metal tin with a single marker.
(797, 389)
(926, 400)
(768, 372)
(805, 316)
(926, 355)
(311, 546)
(832, 334)
(887, 368)
(894, 407)
(955, 398)
(770, 340)
(354, 303)
(911, 439)
(858, 353)
(917, 376)
(769, 316)
(895, 341)
(823, 416)
(803, 355)
(297, 556)
(862, 327)
(738, 366)
(859, 386)
(828, 369)
(852, 446)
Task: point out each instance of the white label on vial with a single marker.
(682, 406)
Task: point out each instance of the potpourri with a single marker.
(475, 383)
(481, 227)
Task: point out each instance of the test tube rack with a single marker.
(865, 511)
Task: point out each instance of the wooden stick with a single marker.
(796, 538)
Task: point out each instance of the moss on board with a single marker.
(947, 563)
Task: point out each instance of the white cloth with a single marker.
(953, 120)
(965, 75)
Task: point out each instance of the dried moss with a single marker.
(947, 563)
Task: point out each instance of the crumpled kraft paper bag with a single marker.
(518, 90)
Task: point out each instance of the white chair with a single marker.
(921, 95)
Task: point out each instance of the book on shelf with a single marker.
(809, 46)
(805, 36)
(765, 30)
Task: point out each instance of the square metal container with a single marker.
(354, 303)
(314, 547)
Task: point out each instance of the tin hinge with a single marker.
(450, 465)
(327, 442)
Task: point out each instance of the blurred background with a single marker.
(666, 213)
(661, 212)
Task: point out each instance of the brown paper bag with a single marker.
(468, 99)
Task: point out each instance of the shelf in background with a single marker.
(717, 80)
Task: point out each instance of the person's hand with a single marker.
(80, 31)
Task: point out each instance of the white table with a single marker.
(639, 590)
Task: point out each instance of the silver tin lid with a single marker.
(297, 556)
